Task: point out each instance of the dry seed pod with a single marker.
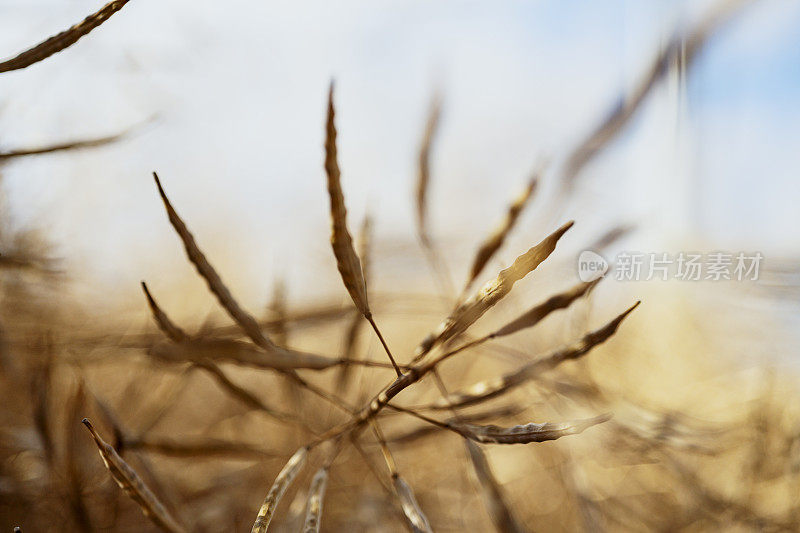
(166, 325)
(62, 40)
(423, 171)
(134, 487)
(493, 243)
(537, 313)
(527, 433)
(177, 353)
(357, 322)
(282, 482)
(492, 388)
(242, 394)
(215, 284)
(316, 494)
(680, 46)
(470, 311)
(195, 449)
(60, 147)
(412, 435)
(242, 353)
(347, 260)
(411, 509)
(499, 511)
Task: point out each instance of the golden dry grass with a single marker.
(328, 441)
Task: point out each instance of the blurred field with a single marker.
(699, 441)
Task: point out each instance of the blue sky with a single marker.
(239, 90)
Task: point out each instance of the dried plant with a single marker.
(282, 482)
(346, 257)
(495, 240)
(229, 447)
(315, 496)
(129, 481)
(63, 40)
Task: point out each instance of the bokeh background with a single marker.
(226, 101)
(238, 90)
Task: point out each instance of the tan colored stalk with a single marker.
(62, 40)
(316, 495)
(130, 482)
(492, 292)
(411, 509)
(499, 510)
(495, 240)
(492, 388)
(347, 260)
(276, 492)
(351, 338)
(242, 318)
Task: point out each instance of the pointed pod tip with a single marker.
(160, 188)
(628, 311)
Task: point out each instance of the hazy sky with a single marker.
(239, 90)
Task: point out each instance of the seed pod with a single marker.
(63, 40)
(423, 169)
(357, 321)
(316, 494)
(242, 353)
(282, 482)
(175, 333)
(411, 509)
(527, 433)
(347, 260)
(130, 482)
(492, 388)
(493, 243)
(470, 311)
(536, 314)
(499, 511)
(215, 284)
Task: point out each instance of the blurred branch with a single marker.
(63, 40)
(681, 47)
(72, 145)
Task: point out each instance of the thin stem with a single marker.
(382, 399)
(370, 465)
(471, 344)
(387, 454)
(443, 425)
(338, 447)
(446, 395)
(333, 400)
(373, 364)
(246, 397)
(383, 342)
